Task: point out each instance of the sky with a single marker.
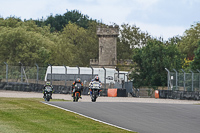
(160, 18)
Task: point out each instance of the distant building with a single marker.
(107, 47)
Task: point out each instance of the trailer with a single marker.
(62, 73)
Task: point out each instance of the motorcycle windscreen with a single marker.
(78, 87)
(96, 85)
(48, 88)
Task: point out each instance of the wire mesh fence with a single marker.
(182, 85)
(184, 81)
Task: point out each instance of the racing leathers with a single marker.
(73, 86)
(90, 86)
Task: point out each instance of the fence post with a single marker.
(78, 71)
(199, 78)
(6, 72)
(37, 72)
(168, 77)
(92, 72)
(65, 75)
(104, 78)
(183, 78)
(124, 81)
(192, 79)
(116, 68)
(51, 73)
(176, 78)
(21, 71)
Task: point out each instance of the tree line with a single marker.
(70, 39)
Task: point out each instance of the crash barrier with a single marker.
(156, 94)
(142, 92)
(170, 94)
(119, 92)
(112, 92)
(33, 87)
(62, 89)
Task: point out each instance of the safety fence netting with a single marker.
(182, 85)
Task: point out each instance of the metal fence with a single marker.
(26, 78)
(22, 74)
(183, 81)
(182, 85)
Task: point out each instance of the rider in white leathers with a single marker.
(96, 79)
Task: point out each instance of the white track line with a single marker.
(87, 116)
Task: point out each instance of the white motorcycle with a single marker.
(95, 88)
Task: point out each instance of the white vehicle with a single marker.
(62, 73)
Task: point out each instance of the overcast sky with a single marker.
(165, 18)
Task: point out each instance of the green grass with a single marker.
(22, 115)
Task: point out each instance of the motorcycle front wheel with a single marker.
(94, 98)
(47, 98)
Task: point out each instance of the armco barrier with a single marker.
(57, 89)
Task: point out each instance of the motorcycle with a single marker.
(76, 91)
(95, 89)
(48, 92)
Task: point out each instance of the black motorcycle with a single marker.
(48, 93)
(95, 90)
(76, 91)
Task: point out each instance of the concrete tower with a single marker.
(107, 46)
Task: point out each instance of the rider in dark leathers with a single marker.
(78, 80)
(47, 84)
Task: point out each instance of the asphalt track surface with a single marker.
(144, 115)
(141, 117)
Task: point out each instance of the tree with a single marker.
(130, 38)
(58, 22)
(189, 42)
(82, 44)
(30, 44)
(151, 61)
(195, 64)
(75, 16)
(25, 42)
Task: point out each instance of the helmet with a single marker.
(48, 83)
(96, 78)
(78, 80)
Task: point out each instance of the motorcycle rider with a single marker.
(96, 78)
(78, 80)
(47, 84)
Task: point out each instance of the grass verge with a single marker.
(23, 115)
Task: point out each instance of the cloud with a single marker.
(158, 17)
(168, 13)
(165, 32)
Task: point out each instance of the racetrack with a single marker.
(141, 117)
(144, 115)
(86, 98)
